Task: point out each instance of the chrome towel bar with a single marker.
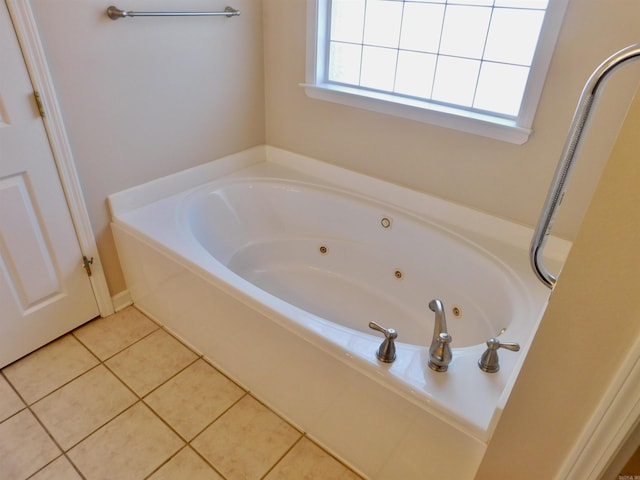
(115, 13)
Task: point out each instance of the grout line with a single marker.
(55, 442)
(162, 384)
(224, 373)
(129, 407)
(207, 461)
(63, 455)
(182, 342)
(63, 385)
(341, 462)
(74, 466)
(302, 435)
(44, 466)
(299, 430)
(218, 417)
(24, 403)
(142, 399)
(166, 461)
(26, 406)
(126, 385)
(59, 386)
(121, 349)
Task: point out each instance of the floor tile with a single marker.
(111, 434)
(59, 469)
(25, 446)
(74, 411)
(130, 447)
(202, 393)
(153, 360)
(246, 441)
(188, 465)
(50, 367)
(107, 336)
(10, 403)
(307, 460)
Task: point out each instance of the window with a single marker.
(473, 65)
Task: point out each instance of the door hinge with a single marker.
(86, 263)
(40, 104)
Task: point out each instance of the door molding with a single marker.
(611, 424)
(26, 30)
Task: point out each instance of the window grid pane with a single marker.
(473, 54)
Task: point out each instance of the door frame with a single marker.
(26, 30)
(613, 422)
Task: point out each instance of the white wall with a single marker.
(145, 97)
(507, 180)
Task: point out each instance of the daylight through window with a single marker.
(473, 54)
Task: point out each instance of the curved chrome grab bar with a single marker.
(579, 125)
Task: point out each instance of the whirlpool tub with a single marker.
(272, 265)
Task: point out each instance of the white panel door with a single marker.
(44, 289)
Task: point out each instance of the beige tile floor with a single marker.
(120, 398)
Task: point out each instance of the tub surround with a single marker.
(315, 374)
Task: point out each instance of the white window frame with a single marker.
(515, 131)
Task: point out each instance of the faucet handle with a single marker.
(489, 361)
(387, 351)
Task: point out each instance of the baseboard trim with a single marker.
(122, 300)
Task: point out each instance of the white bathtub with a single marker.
(272, 265)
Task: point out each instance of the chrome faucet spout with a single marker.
(440, 325)
(440, 351)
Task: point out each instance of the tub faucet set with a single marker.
(440, 351)
(440, 354)
(489, 360)
(387, 351)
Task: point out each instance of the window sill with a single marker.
(470, 122)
